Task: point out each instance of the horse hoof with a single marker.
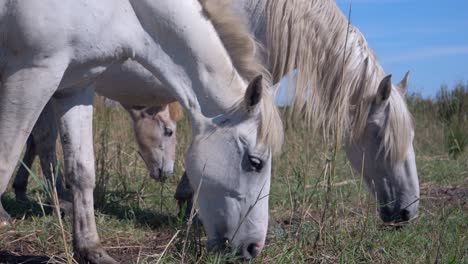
(95, 256)
(4, 224)
(5, 219)
(22, 198)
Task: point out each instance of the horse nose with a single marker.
(253, 250)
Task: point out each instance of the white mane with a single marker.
(337, 73)
(242, 49)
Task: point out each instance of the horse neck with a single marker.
(312, 37)
(211, 84)
(254, 11)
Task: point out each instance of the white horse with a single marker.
(57, 47)
(351, 99)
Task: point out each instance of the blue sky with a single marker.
(429, 37)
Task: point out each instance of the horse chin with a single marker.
(248, 251)
(217, 245)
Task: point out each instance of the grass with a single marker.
(315, 216)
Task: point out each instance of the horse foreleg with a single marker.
(76, 113)
(24, 93)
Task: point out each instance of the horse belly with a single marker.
(81, 75)
(130, 83)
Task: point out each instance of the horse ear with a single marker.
(403, 85)
(175, 111)
(134, 111)
(385, 88)
(253, 95)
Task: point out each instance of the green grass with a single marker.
(137, 217)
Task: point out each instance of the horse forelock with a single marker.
(242, 48)
(175, 111)
(398, 130)
(337, 74)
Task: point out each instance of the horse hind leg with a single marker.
(21, 179)
(45, 136)
(24, 93)
(51, 172)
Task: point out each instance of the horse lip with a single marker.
(156, 174)
(217, 244)
(161, 175)
(400, 224)
(403, 223)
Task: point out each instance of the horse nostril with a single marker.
(404, 215)
(253, 249)
(386, 214)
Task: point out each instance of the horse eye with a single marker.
(256, 163)
(168, 132)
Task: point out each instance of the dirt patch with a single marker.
(451, 195)
(129, 251)
(26, 248)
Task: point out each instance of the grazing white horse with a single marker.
(351, 100)
(58, 47)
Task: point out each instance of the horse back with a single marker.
(80, 27)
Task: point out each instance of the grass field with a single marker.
(314, 217)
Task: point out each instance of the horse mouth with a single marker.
(160, 174)
(400, 223)
(218, 245)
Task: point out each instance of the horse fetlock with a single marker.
(66, 207)
(21, 196)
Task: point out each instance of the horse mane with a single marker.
(312, 37)
(175, 111)
(242, 48)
